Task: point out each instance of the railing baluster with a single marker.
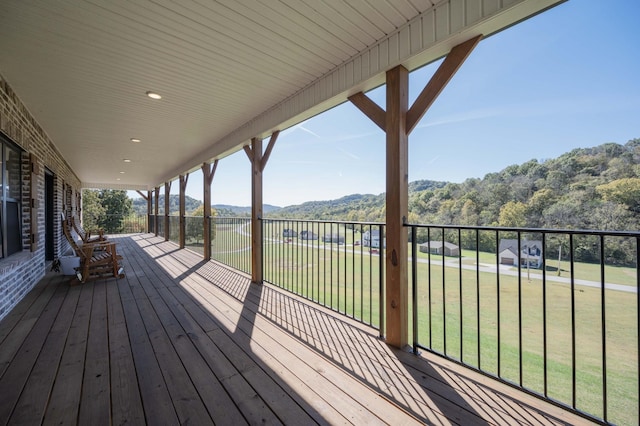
(497, 247)
(603, 329)
(381, 282)
(478, 334)
(444, 298)
(429, 290)
(460, 293)
(414, 288)
(544, 316)
(520, 304)
(573, 323)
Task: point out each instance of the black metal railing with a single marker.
(160, 225)
(336, 264)
(174, 229)
(115, 223)
(151, 226)
(231, 242)
(194, 233)
(552, 312)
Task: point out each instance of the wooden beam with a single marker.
(249, 152)
(396, 254)
(157, 201)
(183, 188)
(208, 171)
(167, 189)
(142, 195)
(256, 211)
(370, 109)
(149, 210)
(267, 152)
(442, 76)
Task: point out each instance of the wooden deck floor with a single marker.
(182, 341)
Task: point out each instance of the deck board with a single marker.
(125, 392)
(180, 340)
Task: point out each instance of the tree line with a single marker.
(587, 188)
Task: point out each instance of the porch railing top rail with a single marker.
(528, 230)
(339, 222)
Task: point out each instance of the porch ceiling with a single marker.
(227, 70)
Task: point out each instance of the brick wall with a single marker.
(20, 272)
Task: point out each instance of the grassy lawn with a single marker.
(488, 308)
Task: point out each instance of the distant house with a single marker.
(288, 233)
(440, 248)
(333, 238)
(530, 253)
(372, 239)
(308, 235)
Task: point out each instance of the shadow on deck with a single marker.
(180, 340)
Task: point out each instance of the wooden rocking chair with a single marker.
(97, 259)
(86, 236)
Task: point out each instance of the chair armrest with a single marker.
(87, 250)
(99, 244)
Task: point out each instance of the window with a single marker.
(10, 197)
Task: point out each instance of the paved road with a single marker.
(506, 270)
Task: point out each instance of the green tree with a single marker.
(194, 226)
(624, 191)
(92, 210)
(469, 213)
(513, 214)
(117, 206)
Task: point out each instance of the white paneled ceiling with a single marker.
(227, 70)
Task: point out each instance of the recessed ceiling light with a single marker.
(121, 173)
(153, 95)
(136, 140)
(126, 160)
(117, 178)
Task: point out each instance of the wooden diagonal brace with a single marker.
(370, 109)
(443, 75)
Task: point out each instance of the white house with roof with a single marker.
(371, 238)
(531, 252)
(440, 248)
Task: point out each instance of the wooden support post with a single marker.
(157, 201)
(397, 288)
(167, 207)
(398, 121)
(183, 187)
(208, 171)
(258, 163)
(149, 210)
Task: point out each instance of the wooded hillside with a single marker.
(587, 188)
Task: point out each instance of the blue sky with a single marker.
(565, 79)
